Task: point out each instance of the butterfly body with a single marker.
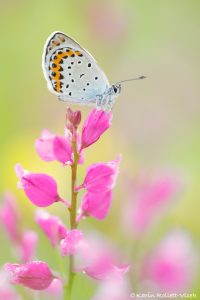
(73, 74)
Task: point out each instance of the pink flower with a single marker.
(28, 245)
(101, 176)
(44, 146)
(70, 243)
(10, 217)
(51, 147)
(99, 261)
(95, 125)
(96, 205)
(147, 199)
(62, 150)
(35, 275)
(41, 189)
(171, 267)
(52, 227)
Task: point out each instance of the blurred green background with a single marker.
(156, 121)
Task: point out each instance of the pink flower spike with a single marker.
(41, 189)
(70, 243)
(10, 217)
(95, 125)
(101, 176)
(35, 275)
(28, 245)
(96, 205)
(52, 227)
(44, 146)
(62, 150)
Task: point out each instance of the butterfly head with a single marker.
(116, 89)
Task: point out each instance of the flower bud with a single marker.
(35, 275)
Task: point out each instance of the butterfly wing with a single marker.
(71, 71)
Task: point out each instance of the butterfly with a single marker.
(73, 74)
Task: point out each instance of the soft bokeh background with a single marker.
(156, 121)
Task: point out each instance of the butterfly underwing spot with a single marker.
(96, 78)
(89, 65)
(67, 86)
(70, 93)
(82, 75)
(72, 80)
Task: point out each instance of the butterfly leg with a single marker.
(99, 99)
(107, 103)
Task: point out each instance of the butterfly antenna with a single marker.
(136, 78)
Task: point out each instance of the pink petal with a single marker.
(19, 170)
(35, 275)
(10, 217)
(99, 261)
(96, 205)
(95, 125)
(28, 245)
(52, 227)
(70, 243)
(44, 146)
(41, 189)
(101, 176)
(148, 198)
(62, 150)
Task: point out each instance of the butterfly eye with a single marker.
(115, 89)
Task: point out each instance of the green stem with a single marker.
(73, 224)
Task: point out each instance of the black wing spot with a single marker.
(60, 52)
(61, 76)
(70, 74)
(53, 74)
(72, 63)
(96, 78)
(89, 65)
(84, 90)
(72, 80)
(69, 67)
(82, 75)
(88, 83)
(67, 86)
(70, 93)
(54, 65)
(79, 62)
